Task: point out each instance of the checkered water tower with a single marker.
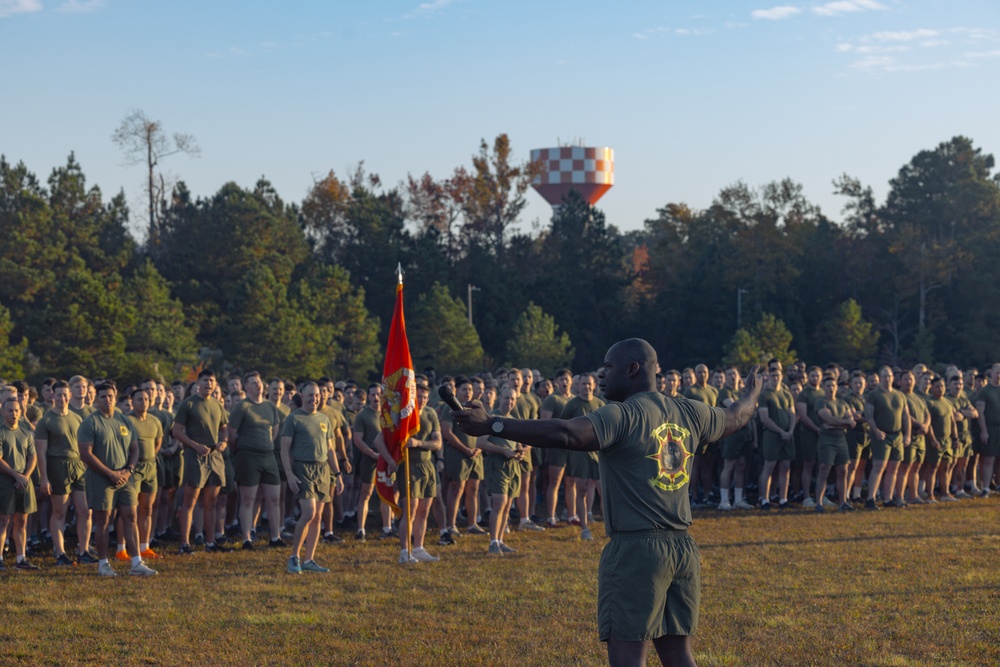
(588, 170)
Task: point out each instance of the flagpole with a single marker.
(406, 459)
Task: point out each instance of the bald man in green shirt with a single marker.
(649, 578)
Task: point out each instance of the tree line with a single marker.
(243, 280)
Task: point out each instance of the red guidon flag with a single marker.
(399, 418)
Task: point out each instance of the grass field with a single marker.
(896, 588)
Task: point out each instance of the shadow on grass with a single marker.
(844, 539)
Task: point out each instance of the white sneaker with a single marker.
(808, 503)
(105, 570)
(140, 570)
(743, 505)
(829, 503)
(586, 535)
(421, 555)
(406, 558)
(725, 507)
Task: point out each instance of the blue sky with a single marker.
(693, 96)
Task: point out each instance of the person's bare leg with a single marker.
(472, 501)
(627, 654)
(552, 491)
(675, 650)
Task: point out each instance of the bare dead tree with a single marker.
(144, 141)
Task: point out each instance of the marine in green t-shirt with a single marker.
(555, 459)
(888, 418)
(309, 459)
(648, 583)
(776, 412)
(966, 416)
(834, 418)
(582, 468)
(17, 494)
(941, 436)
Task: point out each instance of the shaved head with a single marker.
(629, 368)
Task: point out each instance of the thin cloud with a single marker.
(79, 6)
(846, 7)
(432, 7)
(904, 35)
(681, 32)
(11, 7)
(776, 13)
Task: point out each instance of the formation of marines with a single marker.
(297, 460)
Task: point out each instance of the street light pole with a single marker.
(739, 306)
(472, 288)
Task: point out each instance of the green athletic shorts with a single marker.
(144, 477)
(648, 586)
(254, 467)
(737, 446)
(832, 453)
(459, 467)
(581, 465)
(962, 448)
(102, 497)
(14, 500)
(916, 452)
(423, 480)
(858, 446)
(314, 480)
(366, 469)
(281, 468)
(66, 475)
(935, 456)
(202, 471)
(169, 471)
(776, 448)
(526, 466)
(890, 449)
(992, 447)
(503, 475)
(556, 457)
(807, 449)
(229, 481)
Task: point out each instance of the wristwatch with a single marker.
(497, 425)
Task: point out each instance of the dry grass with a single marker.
(896, 588)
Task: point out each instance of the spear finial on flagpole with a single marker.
(399, 272)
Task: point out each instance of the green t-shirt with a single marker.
(941, 410)
(84, 412)
(809, 396)
(166, 420)
(708, 394)
(959, 403)
(16, 447)
(312, 436)
(989, 396)
(780, 406)
(59, 433)
(524, 408)
(147, 432)
(202, 419)
(918, 413)
(646, 448)
(335, 416)
(463, 437)
(554, 403)
(367, 424)
(429, 425)
(857, 403)
(253, 423)
(577, 407)
(889, 406)
(110, 437)
(840, 410)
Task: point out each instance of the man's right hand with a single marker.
(293, 483)
(473, 420)
(20, 481)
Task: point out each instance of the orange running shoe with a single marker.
(149, 554)
(122, 556)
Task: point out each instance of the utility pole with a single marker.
(739, 306)
(472, 288)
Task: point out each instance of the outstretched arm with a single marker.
(577, 434)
